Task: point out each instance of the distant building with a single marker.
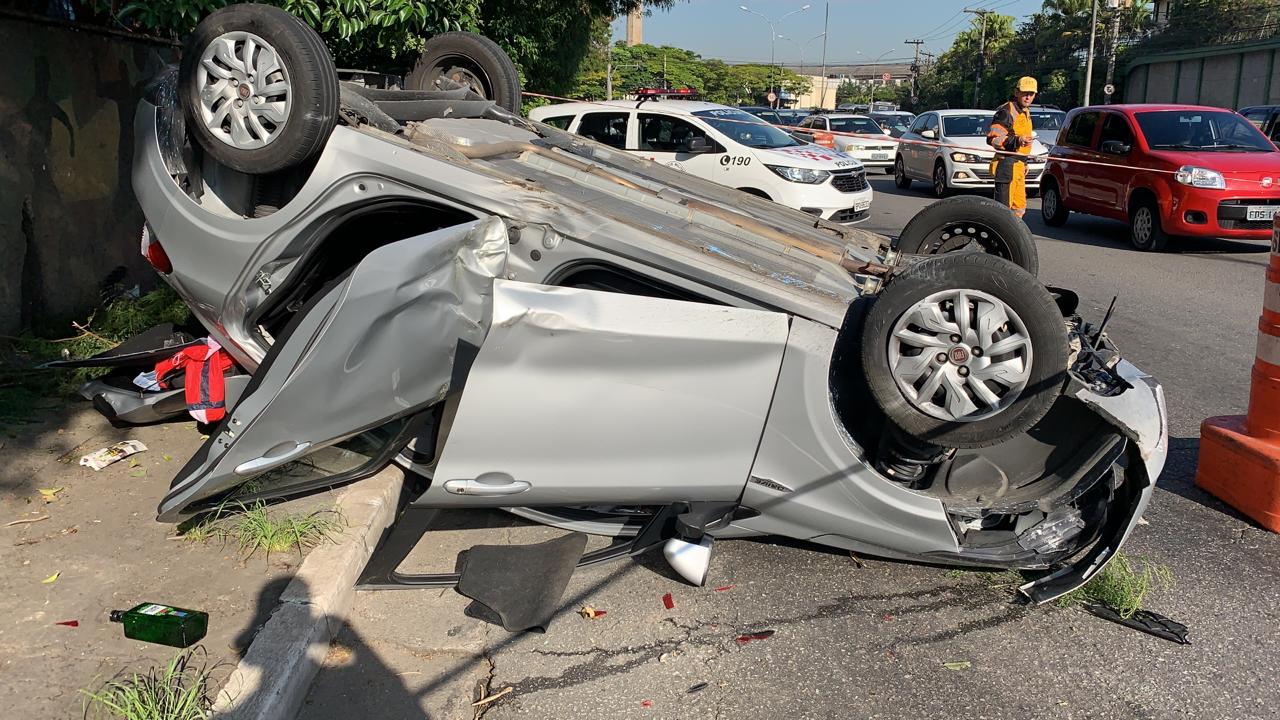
(871, 76)
(635, 28)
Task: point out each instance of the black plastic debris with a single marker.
(696, 688)
(1151, 623)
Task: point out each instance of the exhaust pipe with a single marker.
(690, 559)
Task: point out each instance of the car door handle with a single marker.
(486, 486)
(273, 458)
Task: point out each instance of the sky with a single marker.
(859, 30)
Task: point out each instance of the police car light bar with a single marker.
(665, 92)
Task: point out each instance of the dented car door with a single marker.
(581, 396)
(367, 353)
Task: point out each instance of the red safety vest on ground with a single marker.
(203, 368)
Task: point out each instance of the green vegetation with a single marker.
(1122, 585)
(1052, 46)
(254, 527)
(181, 690)
(24, 389)
(547, 39)
(714, 80)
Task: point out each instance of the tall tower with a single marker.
(635, 28)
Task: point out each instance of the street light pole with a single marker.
(822, 102)
(773, 36)
(1088, 67)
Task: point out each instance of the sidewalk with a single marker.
(102, 542)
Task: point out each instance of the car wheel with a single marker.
(900, 174)
(890, 171)
(964, 350)
(468, 59)
(970, 222)
(940, 188)
(259, 89)
(1144, 227)
(1052, 211)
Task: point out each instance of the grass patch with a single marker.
(1122, 585)
(254, 528)
(181, 690)
(23, 388)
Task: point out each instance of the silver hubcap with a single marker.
(1050, 202)
(939, 181)
(960, 355)
(244, 89)
(1142, 225)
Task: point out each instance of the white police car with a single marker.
(725, 145)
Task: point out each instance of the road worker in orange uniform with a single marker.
(1011, 132)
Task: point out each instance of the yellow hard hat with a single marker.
(1027, 84)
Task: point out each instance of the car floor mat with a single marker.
(1146, 621)
(521, 584)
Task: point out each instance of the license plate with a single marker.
(879, 156)
(1262, 212)
(860, 206)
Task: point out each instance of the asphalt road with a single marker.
(875, 641)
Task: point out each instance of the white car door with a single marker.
(681, 144)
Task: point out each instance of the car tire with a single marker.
(284, 104)
(1145, 231)
(1052, 210)
(900, 174)
(1008, 389)
(940, 187)
(468, 59)
(970, 222)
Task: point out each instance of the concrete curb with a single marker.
(273, 678)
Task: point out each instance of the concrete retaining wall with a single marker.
(1230, 77)
(69, 224)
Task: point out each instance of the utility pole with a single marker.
(608, 71)
(1111, 51)
(915, 67)
(982, 51)
(822, 102)
(1088, 66)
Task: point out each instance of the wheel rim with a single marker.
(899, 172)
(1142, 226)
(244, 89)
(960, 355)
(467, 76)
(939, 181)
(1049, 203)
(962, 234)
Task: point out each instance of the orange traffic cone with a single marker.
(1240, 456)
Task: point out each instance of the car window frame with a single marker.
(1102, 126)
(628, 117)
(550, 120)
(707, 132)
(1065, 134)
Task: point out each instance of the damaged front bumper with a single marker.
(1139, 413)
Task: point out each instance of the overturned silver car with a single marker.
(531, 320)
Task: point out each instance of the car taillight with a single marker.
(155, 254)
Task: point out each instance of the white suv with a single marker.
(874, 147)
(724, 145)
(949, 150)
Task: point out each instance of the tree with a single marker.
(716, 81)
(547, 39)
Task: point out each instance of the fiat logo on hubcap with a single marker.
(244, 91)
(959, 355)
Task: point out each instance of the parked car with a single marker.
(793, 116)
(1047, 120)
(1266, 118)
(1166, 170)
(728, 146)
(948, 149)
(538, 321)
(768, 114)
(873, 148)
(896, 122)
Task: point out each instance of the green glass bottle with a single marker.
(155, 623)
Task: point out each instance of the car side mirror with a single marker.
(1116, 147)
(930, 134)
(698, 145)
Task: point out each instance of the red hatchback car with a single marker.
(1167, 170)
